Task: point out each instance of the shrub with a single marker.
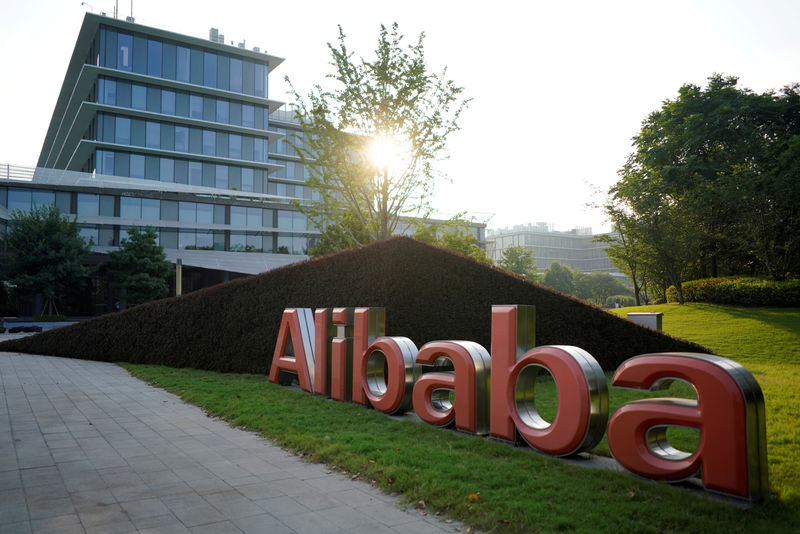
(623, 300)
(739, 291)
(429, 294)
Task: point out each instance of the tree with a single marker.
(369, 144)
(559, 277)
(520, 260)
(46, 254)
(140, 268)
(454, 234)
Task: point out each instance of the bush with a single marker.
(429, 294)
(739, 291)
(623, 300)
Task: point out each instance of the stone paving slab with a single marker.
(85, 447)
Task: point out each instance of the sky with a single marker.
(558, 88)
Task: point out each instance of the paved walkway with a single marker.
(84, 447)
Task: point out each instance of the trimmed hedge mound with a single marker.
(739, 291)
(429, 294)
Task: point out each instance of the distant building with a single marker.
(575, 248)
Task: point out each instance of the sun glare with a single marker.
(385, 152)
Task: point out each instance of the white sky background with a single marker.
(558, 88)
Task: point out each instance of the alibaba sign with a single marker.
(342, 353)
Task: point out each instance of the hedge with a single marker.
(429, 294)
(739, 291)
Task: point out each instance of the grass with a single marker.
(518, 490)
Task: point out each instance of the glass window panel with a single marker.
(247, 148)
(195, 140)
(266, 219)
(88, 204)
(236, 114)
(106, 206)
(123, 233)
(235, 177)
(299, 221)
(167, 102)
(259, 114)
(247, 179)
(124, 94)
(122, 164)
(219, 214)
(153, 99)
(154, 58)
(105, 162)
(137, 132)
(124, 52)
(137, 166)
(222, 144)
(43, 198)
(195, 173)
(248, 77)
(122, 131)
(181, 139)
(209, 69)
(223, 111)
(105, 236)
(219, 240)
(196, 74)
(168, 61)
(183, 64)
(223, 72)
(167, 136)
(88, 234)
(205, 241)
(196, 106)
(169, 239)
(285, 219)
(130, 208)
(153, 135)
(253, 242)
(205, 213)
(181, 171)
(109, 127)
(19, 199)
(221, 178)
(167, 170)
(139, 97)
(169, 210)
(64, 201)
(209, 142)
(139, 54)
(208, 174)
(284, 244)
(151, 167)
(248, 116)
(108, 48)
(187, 212)
(182, 104)
(235, 146)
(238, 242)
(151, 209)
(186, 239)
(254, 217)
(238, 216)
(209, 108)
(260, 79)
(236, 76)
(110, 92)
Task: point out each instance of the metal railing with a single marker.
(16, 172)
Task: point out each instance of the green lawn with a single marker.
(518, 490)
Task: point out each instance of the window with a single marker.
(238, 242)
(19, 199)
(196, 106)
(222, 177)
(169, 210)
(43, 198)
(108, 127)
(209, 69)
(169, 238)
(182, 104)
(168, 61)
(139, 54)
(186, 239)
(205, 240)
(122, 131)
(209, 108)
(137, 132)
(187, 212)
(205, 213)
(109, 92)
(167, 136)
(208, 175)
(219, 214)
(130, 208)
(260, 80)
(154, 99)
(248, 116)
(223, 72)
(223, 111)
(88, 234)
(181, 138)
(236, 114)
(105, 236)
(238, 216)
(153, 135)
(137, 166)
(167, 170)
(247, 147)
(64, 201)
(124, 94)
(88, 204)
(151, 168)
(139, 100)
(181, 171)
(254, 217)
(235, 146)
(195, 173)
(182, 64)
(167, 102)
(108, 48)
(247, 179)
(236, 75)
(122, 164)
(195, 140)
(248, 78)
(124, 52)
(153, 58)
(105, 162)
(196, 73)
(209, 142)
